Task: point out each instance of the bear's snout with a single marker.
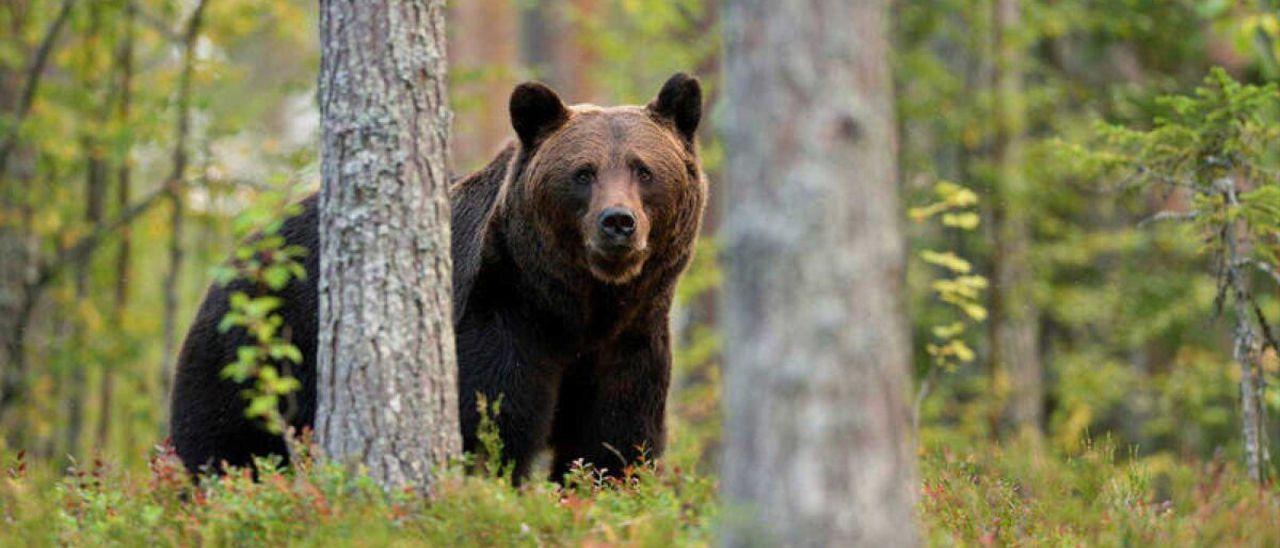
(618, 225)
(617, 244)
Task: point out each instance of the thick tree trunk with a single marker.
(387, 367)
(816, 363)
(1015, 351)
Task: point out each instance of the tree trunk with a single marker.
(552, 44)
(387, 368)
(1247, 349)
(1015, 351)
(474, 49)
(124, 188)
(174, 187)
(816, 362)
(16, 297)
(77, 381)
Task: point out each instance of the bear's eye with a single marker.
(644, 174)
(584, 176)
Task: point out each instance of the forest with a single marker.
(967, 272)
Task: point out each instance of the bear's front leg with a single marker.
(612, 409)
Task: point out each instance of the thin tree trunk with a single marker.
(387, 370)
(177, 221)
(77, 386)
(106, 388)
(1247, 349)
(174, 188)
(77, 382)
(1015, 350)
(816, 362)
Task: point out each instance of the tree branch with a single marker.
(1169, 216)
(85, 245)
(34, 75)
(155, 23)
(79, 251)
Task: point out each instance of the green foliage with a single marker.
(488, 459)
(314, 503)
(1091, 496)
(1216, 148)
(958, 287)
(1217, 141)
(261, 268)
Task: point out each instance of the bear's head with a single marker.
(610, 192)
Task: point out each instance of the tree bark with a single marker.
(816, 358)
(1015, 351)
(1247, 347)
(387, 368)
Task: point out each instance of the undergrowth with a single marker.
(1019, 493)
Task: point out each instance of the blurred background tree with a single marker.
(111, 221)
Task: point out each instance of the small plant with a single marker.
(263, 266)
(488, 459)
(957, 287)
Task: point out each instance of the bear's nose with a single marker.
(618, 223)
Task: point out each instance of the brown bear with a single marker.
(566, 249)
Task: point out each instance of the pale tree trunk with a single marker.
(481, 30)
(387, 371)
(816, 362)
(1247, 340)
(1015, 351)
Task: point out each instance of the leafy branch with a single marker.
(262, 267)
(957, 287)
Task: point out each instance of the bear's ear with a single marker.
(536, 111)
(680, 102)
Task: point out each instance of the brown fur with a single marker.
(567, 331)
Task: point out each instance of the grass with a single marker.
(979, 494)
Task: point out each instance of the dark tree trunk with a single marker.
(124, 189)
(1015, 349)
(174, 187)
